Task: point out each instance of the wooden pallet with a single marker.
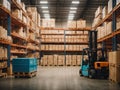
(24, 74)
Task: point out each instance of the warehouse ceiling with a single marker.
(60, 9)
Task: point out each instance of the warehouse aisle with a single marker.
(57, 78)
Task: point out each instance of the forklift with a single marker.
(94, 63)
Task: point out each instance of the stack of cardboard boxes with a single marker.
(114, 66)
(76, 24)
(59, 60)
(6, 4)
(48, 23)
(4, 36)
(3, 54)
(98, 16)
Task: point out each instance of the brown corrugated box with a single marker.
(55, 60)
(81, 23)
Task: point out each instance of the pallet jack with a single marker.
(94, 63)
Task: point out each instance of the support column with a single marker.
(114, 39)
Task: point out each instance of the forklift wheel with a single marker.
(92, 74)
(80, 73)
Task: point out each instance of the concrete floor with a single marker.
(57, 78)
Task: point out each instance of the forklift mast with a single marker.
(92, 48)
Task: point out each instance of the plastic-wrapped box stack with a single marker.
(98, 16)
(114, 66)
(6, 4)
(104, 30)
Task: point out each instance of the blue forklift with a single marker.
(94, 64)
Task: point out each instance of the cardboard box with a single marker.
(50, 60)
(98, 11)
(109, 6)
(117, 2)
(68, 60)
(17, 13)
(6, 4)
(23, 7)
(109, 27)
(52, 23)
(3, 33)
(114, 73)
(81, 23)
(114, 57)
(55, 60)
(73, 61)
(118, 23)
(71, 24)
(61, 60)
(104, 12)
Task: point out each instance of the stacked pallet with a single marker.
(71, 36)
(24, 67)
(114, 66)
(48, 23)
(3, 53)
(61, 60)
(76, 24)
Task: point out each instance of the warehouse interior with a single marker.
(60, 44)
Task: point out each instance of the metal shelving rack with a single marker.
(65, 52)
(112, 37)
(6, 13)
(12, 20)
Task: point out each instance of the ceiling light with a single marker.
(75, 2)
(72, 11)
(43, 2)
(70, 18)
(46, 15)
(73, 8)
(44, 7)
(45, 11)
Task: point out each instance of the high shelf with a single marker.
(63, 44)
(111, 41)
(19, 40)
